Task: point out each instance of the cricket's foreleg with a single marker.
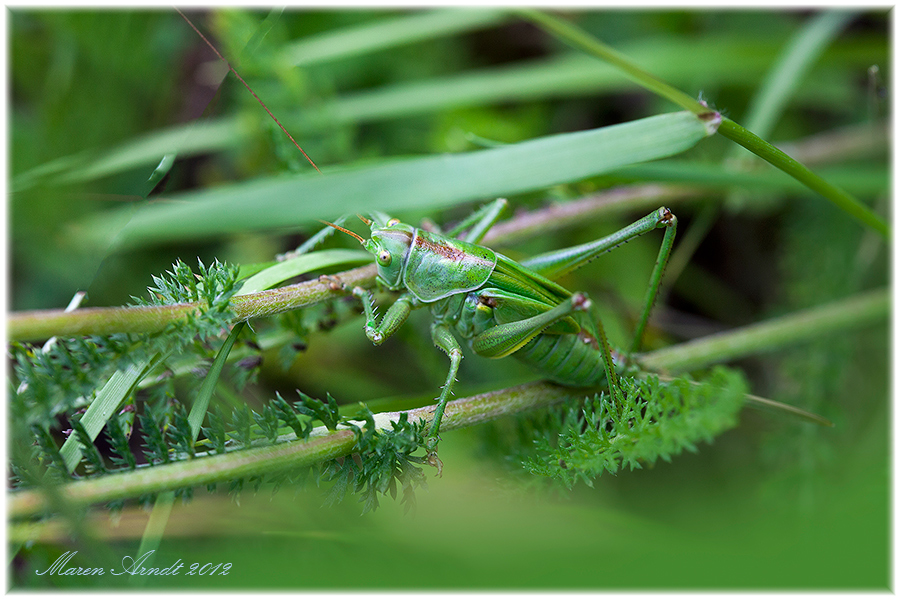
(444, 340)
(395, 316)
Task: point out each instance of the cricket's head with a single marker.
(389, 244)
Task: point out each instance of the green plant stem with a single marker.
(779, 159)
(858, 311)
(290, 455)
(855, 312)
(582, 40)
(42, 324)
(728, 128)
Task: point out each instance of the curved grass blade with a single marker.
(387, 33)
(201, 402)
(299, 265)
(104, 406)
(420, 183)
(782, 81)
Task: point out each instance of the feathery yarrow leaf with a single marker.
(659, 420)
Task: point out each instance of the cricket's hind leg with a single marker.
(559, 262)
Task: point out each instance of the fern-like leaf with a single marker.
(658, 421)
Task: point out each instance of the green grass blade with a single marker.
(153, 535)
(562, 76)
(387, 33)
(299, 265)
(204, 394)
(786, 75)
(731, 130)
(419, 183)
(196, 138)
(779, 159)
(108, 399)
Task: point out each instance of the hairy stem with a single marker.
(861, 310)
(858, 311)
(322, 446)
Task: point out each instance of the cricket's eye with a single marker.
(392, 222)
(384, 258)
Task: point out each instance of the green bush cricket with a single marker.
(498, 306)
(501, 307)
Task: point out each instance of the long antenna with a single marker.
(347, 231)
(238, 75)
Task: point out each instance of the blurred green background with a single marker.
(771, 505)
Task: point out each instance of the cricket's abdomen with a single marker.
(571, 359)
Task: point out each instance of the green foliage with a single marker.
(62, 377)
(59, 376)
(155, 448)
(212, 288)
(289, 417)
(92, 459)
(659, 420)
(363, 106)
(120, 450)
(326, 412)
(213, 285)
(215, 432)
(49, 452)
(386, 462)
(64, 374)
